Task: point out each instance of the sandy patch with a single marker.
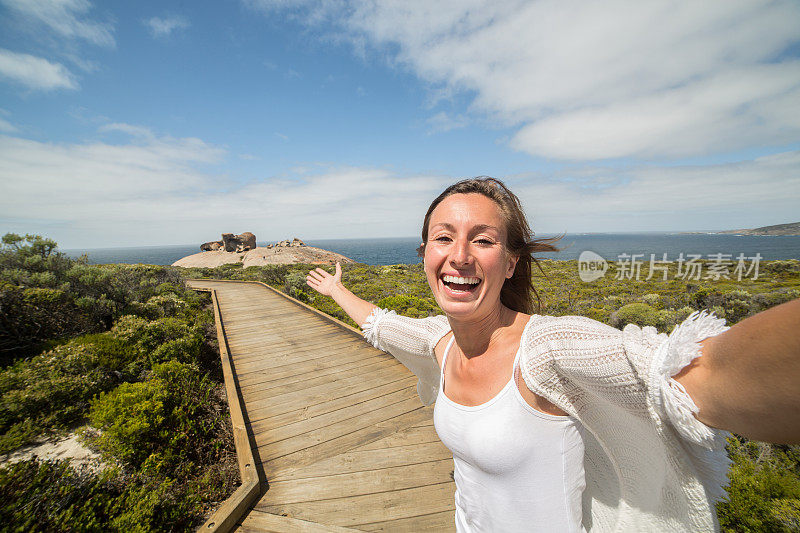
(67, 448)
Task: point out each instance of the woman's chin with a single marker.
(460, 308)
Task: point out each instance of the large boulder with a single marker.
(211, 246)
(248, 240)
(238, 243)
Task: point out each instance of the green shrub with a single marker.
(637, 313)
(764, 492)
(652, 299)
(132, 419)
(163, 423)
(108, 351)
(781, 266)
(737, 305)
(411, 306)
(158, 341)
(53, 390)
(294, 284)
(53, 496)
(156, 505)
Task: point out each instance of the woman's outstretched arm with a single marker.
(331, 285)
(747, 379)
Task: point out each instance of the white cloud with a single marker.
(442, 122)
(164, 27)
(595, 80)
(132, 130)
(35, 72)
(157, 192)
(743, 194)
(64, 17)
(161, 190)
(6, 126)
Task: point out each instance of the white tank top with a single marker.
(516, 469)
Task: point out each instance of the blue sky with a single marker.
(134, 123)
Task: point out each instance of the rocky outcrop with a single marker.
(777, 229)
(287, 242)
(211, 246)
(238, 243)
(283, 253)
(792, 228)
(231, 243)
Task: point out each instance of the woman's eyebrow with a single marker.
(475, 229)
(481, 227)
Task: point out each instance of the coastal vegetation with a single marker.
(126, 357)
(764, 490)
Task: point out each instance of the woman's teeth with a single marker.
(461, 280)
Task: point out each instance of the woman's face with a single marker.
(466, 262)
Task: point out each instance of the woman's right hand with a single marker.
(322, 281)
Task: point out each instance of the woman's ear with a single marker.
(512, 265)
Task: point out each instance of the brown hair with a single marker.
(518, 291)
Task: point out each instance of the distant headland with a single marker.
(242, 249)
(792, 228)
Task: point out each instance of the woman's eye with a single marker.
(484, 241)
(443, 238)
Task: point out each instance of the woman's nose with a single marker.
(460, 254)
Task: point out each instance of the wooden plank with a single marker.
(281, 361)
(258, 521)
(306, 456)
(269, 433)
(277, 348)
(343, 361)
(373, 370)
(289, 401)
(291, 324)
(299, 343)
(350, 484)
(360, 459)
(442, 522)
(406, 437)
(260, 381)
(369, 508)
(307, 411)
(270, 356)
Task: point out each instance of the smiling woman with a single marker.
(565, 423)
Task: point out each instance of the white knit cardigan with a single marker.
(650, 464)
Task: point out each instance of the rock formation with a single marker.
(286, 252)
(211, 246)
(231, 243)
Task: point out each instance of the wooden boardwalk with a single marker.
(336, 425)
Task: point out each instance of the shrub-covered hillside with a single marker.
(125, 356)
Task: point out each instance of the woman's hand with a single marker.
(331, 285)
(323, 282)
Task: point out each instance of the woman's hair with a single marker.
(518, 291)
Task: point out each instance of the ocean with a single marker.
(609, 246)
